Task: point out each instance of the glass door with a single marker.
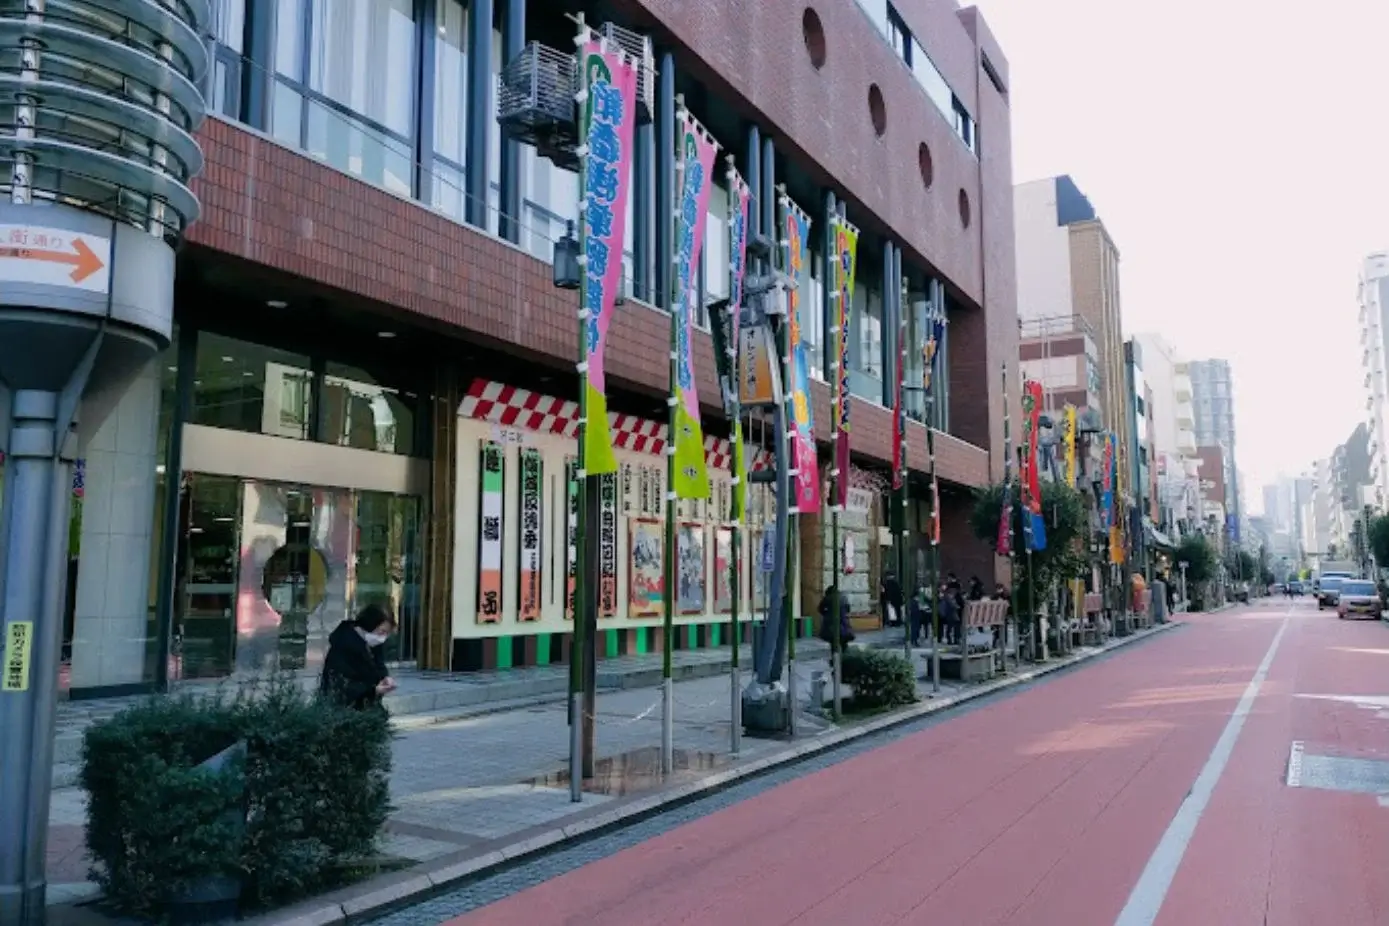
(207, 570)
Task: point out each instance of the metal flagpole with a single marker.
(832, 283)
(669, 564)
(1008, 492)
(932, 349)
(737, 212)
(581, 539)
(900, 475)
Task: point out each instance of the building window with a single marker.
(898, 35)
(360, 412)
(358, 119)
(247, 387)
(866, 339)
(450, 105)
(964, 124)
(228, 30)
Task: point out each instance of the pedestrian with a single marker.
(846, 631)
(976, 589)
(917, 609)
(890, 599)
(1000, 593)
(354, 670)
(951, 607)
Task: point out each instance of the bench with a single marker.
(984, 631)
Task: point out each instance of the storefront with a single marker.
(514, 553)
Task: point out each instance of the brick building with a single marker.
(365, 309)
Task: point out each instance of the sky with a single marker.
(1238, 153)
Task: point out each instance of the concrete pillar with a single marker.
(112, 626)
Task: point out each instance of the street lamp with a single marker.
(566, 261)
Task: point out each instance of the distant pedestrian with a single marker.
(890, 599)
(951, 608)
(354, 670)
(846, 631)
(976, 589)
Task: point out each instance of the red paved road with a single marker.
(1046, 808)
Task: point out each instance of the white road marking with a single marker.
(1150, 892)
(1295, 765)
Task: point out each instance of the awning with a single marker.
(1158, 538)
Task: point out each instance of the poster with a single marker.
(803, 456)
(846, 249)
(646, 543)
(690, 593)
(1068, 436)
(696, 154)
(607, 545)
(761, 567)
(489, 537)
(607, 124)
(571, 533)
(529, 595)
(723, 562)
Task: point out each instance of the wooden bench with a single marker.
(973, 662)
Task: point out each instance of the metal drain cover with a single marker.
(1337, 773)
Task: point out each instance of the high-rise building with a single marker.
(1213, 400)
(1070, 336)
(1374, 342)
(369, 390)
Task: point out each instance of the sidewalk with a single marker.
(474, 787)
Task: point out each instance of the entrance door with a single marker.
(205, 629)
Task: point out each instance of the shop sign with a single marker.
(44, 256)
(19, 638)
(501, 435)
(489, 546)
(607, 546)
(532, 470)
(859, 500)
(758, 383)
(571, 533)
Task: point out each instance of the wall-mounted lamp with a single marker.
(566, 261)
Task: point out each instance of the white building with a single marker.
(1374, 304)
(1172, 420)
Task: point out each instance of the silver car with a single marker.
(1358, 598)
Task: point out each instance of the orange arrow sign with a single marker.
(83, 260)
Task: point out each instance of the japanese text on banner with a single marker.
(846, 261)
(697, 153)
(803, 458)
(490, 526)
(608, 121)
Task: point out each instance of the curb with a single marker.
(415, 884)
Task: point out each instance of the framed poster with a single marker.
(491, 512)
(646, 548)
(529, 583)
(571, 532)
(690, 590)
(607, 545)
(723, 561)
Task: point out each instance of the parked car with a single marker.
(1358, 597)
(1297, 587)
(1329, 592)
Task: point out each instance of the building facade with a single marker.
(1214, 404)
(1172, 420)
(370, 391)
(1374, 329)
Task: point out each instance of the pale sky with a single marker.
(1238, 152)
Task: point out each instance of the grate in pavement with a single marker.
(1337, 773)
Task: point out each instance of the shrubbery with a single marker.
(879, 678)
(312, 789)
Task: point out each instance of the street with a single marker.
(1151, 786)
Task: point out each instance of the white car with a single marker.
(1359, 598)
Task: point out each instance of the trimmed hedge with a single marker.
(879, 678)
(312, 788)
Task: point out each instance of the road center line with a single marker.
(1151, 890)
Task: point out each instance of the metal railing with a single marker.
(99, 100)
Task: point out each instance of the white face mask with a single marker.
(375, 639)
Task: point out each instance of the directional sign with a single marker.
(35, 254)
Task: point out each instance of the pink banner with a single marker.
(608, 123)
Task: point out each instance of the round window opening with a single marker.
(814, 33)
(925, 164)
(964, 209)
(877, 109)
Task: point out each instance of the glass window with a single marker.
(813, 323)
(247, 387)
(898, 35)
(715, 246)
(931, 79)
(358, 119)
(868, 322)
(228, 25)
(451, 84)
(359, 412)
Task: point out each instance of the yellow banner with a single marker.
(1069, 425)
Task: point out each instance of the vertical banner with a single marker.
(571, 533)
(935, 333)
(845, 265)
(529, 581)
(607, 546)
(796, 225)
(1068, 434)
(737, 268)
(1033, 523)
(697, 151)
(607, 124)
(492, 496)
(1004, 546)
(1107, 483)
(935, 510)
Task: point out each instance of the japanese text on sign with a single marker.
(491, 506)
(19, 639)
(530, 578)
(607, 546)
